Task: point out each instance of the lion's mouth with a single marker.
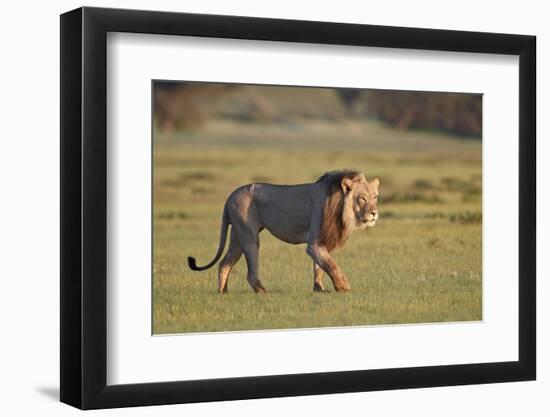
(369, 222)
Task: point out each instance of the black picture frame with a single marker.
(84, 207)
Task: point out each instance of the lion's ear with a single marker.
(375, 182)
(346, 184)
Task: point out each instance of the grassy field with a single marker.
(421, 263)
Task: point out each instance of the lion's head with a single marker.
(360, 202)
(351, 204)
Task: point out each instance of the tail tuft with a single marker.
(192, 263)
(223, 235)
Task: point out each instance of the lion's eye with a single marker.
(362, 200)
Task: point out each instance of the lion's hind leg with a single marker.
(234, 253)
(251, 253)
(245, 223)
(250, 243)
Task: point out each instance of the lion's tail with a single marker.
(223, 236)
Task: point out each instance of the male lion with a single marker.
(321, 214)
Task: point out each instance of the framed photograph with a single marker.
(258, 208)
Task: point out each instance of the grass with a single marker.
(421, 263)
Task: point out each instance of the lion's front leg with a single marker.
(322, 258)
(318, 278)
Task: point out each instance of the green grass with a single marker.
(421, 263)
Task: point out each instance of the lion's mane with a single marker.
(336, 225)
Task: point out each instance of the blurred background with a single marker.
(186, 106)
(421, 263)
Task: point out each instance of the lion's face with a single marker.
(365, 203)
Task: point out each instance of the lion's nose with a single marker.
(374, 214)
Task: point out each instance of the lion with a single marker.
(320, 214)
